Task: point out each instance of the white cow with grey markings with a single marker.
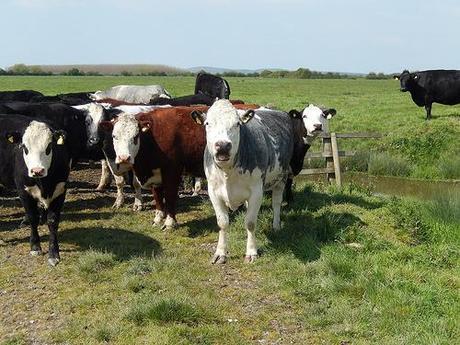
(247, 152)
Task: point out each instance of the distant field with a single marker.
(425, 149)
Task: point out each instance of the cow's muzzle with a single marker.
(223, 149)
(403, 89)
(37, 172)
(92, 141)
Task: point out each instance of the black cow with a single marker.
(433, 86)
(73, 121)
(200, 98)
(33, 158)
(74, 98)
(212, 86)
(20, 95)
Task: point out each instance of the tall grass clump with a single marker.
(358, 162)
(93, 262)
(388, 165)
(168, 310)
(449, 167)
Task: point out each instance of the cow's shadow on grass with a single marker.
(123, 244)
(305, 233)
(446, 115)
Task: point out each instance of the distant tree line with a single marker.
(300, 73)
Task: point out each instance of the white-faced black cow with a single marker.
(246, 153)
(432, 86)
(33, 159)
(308, 124)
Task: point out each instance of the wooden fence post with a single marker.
(336, 160)
(327, 150)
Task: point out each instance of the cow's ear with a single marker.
(59, 137)
(13, 137)
(144, 126)
(198, 116)
(328, 113)
(295, 114)
(247, 116)
(107, 125)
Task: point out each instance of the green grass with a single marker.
(362, 106)
(346, 267)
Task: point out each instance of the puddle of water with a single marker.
(420, 189)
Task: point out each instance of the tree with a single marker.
(19, 69)
(75, 72)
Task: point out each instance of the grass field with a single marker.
(347, 267)
(427, 149)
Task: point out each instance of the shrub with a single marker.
(358, 162)
(388, 165)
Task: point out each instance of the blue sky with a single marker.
(323, 35)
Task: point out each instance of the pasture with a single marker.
(347, 267)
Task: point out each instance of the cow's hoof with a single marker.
(137, 207)
(53, 261)
(219, 259)
(166, 227)
(250, 258)
(36, 252)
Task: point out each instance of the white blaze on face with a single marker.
(37, 149)
(313, 120)
(222, 128)
(126, 139)
(94, 114)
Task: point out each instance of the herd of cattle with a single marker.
(242, 149)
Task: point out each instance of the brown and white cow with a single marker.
(161, 146)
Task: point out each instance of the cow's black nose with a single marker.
(223, 146)
(318, 126)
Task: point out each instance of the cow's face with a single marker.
(222, 123)
(37, 147)
(407, 80)
(126, 141)
(314, 119)
(93, 117)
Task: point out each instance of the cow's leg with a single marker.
(137, 194)
(221, 210)
(288, 190)
(54, 216)
(31, 208)
(119, 182)
(250, 222)
(428, 110)
(197, 186)
(106, 176)
(158, 195)
(171, 188)
(277, 199)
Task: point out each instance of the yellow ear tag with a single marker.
(60, 141)
(11, 139)
(198, 120)
(145, 129)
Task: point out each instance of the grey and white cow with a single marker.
(136, 94)
(247, 153)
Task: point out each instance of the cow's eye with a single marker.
(114, 137)
(48, 149)
(136, 138)
(206, 123)
(26, 151)
(88, 121)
